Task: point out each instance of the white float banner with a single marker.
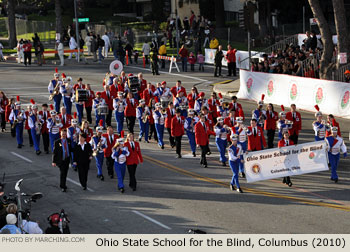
(286, 161)
(240, 55)
(331, 96)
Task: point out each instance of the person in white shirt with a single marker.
(146, 49)
(60, 50)
(73, 46)
(20, 51)
(88, 40)
(107, 45)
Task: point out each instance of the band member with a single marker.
(259, 114)
(181, 102)
(256, 139)
(241, 130)
(189, 125)
(108, 98)
(11, 106)
(222, 109)
(54, 90)
(192, 97)
(270, 124)
(65, 118)
(123, 78)
(283, 124)
(99, 114)
(202, 132)
(130, 111)
(82, 157)
(200, 103)
(54, 126)
(148, 93)
(98, 143)
(119, 105)
(159, 117)
(333, 123)
(116, 87)
(177, 130)
(44, 114)
(79, 105)
(61, 157)
(213, 104)
(295, 117)
(35, 122)
(230, 121)
(235, 156)
(320, 127)
(120, 154)
(152, 127)
(28, 112)
(134, 158)
(335, 144)
(111, 139)
(221, 130)
(142, 114)
(67, 92)
(73, 134)
(88, 103)
(3, 104)
(283, 143)
(87, 131)
(170, 116)
(143, 85)
(237, 107)
(17, 119)
(177, 89)
(162, 92)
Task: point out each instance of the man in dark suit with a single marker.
(82, 157)
(61, 157)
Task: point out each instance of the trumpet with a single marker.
(164, 112)
(98, 149)
(145, 115)
(14, 123)
(288, 122)
(55, 92)
(225, 105)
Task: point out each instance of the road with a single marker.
(173, 195)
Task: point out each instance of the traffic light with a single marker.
(80, 8)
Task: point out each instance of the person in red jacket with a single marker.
(88, 104)
(184, 54)
(44, 130)
(231, 60)
(130, 111)
(256, 139)
(192, 97)
(213, 103)
(331, 120)
(177, 130)
(134, 158)
(111, 139)
(237, 107)
(170, 114)
(283, 143)
(108, 97)
(178, 89)
(192, 61)
(202, 132)
(8, 108)
(65, 118)
(3, 104)
(143, 85)
(148, 93)
(294, 116)
(270, 124)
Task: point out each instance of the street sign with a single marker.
(82, 20)
(313, 21)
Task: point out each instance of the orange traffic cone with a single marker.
(127, 58)
(144, 60)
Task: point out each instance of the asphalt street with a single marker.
(173, 195)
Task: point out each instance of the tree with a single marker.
(12, 24)
(219, 13)
(58, 13)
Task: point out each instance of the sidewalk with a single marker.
(227, 89)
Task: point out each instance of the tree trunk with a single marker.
(341, 26)
(262, 18)
(326, 60)
(12, 24)
(219, 13)
(58, 13)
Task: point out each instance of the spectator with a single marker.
(115, 45)
(107, 43)
(36, 40)
(218, 61)
(184, 54)
(20, 52)
(10, 227)
(39, 53)
(192, 18)
(129, 49)
(27, 48)
(136, 55)
(162, 52)
(164, 39)
(94, 47)
(146, 50)
(214, 43)
(192, 61)
(88, 40)
(1, 54)
(347, 76)
(73, 46)
(60, 50)
(231, 60)
(100, 45)
(200, 61)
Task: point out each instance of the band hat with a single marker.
(158, 105)
(120, 140)
(234, 137)
(282, 113)
(220, 119)
(261, 102)
(334, 129)
(69, 79)
(18, 102)
(142, 101)
(120, 93)
(100, 127)
(318, 113)
(190, 111)
(221, 100)
(239, 119)
(56, 75)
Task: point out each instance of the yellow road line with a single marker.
(254, 191)
(221, 82)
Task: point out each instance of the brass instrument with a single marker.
(288, 122)
(55, 92)
(38, 126)
(145, 116)
(98, 149)
(164, 112)
(226, 105)
(14, 123)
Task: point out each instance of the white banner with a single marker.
(240, 55)
(331, 96)
(286, 161)
(303, 36)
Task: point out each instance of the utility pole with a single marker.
(303, 19)
(177, 31)
(77, 28)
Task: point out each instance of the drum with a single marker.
(81, 95)
(164, 101)
(134, 84)
(102, 109)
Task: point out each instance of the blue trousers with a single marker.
(98, 118)
(221, 144)
(192, 140)
(19, 133)
(160, 133)
(244, 147)
(80, 108)
(144, 129)
(184, 64)
(67, 104)
(333, 160)
(57, 102)
(119, 117)
(36, 139)
(318, 138)
(53, 138)
(184, 113)
(100, 56)
(234, 167)
(99, 163)
(120, 171)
